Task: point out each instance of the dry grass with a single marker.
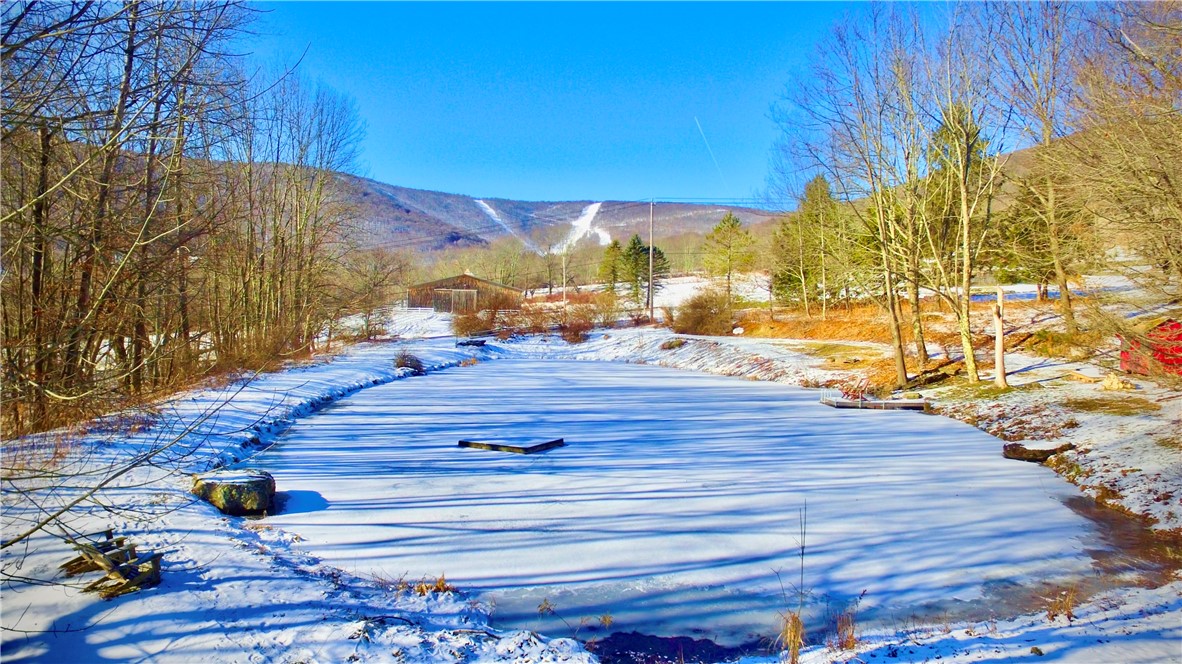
(430, 586)
(846, 637)
(845, 633)
(864, 322)
(1114, 405)
(1049, 343)
(844, 355)
(1062, 604)
(1170, 442)
(790, 638)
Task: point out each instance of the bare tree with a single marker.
(1036, 41)
(838, 121)
(1127, 155)
(966, 158)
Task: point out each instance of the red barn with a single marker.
(1157, 347)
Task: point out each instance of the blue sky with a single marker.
(563, 101)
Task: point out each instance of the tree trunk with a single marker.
(966, 273)
(93, 236)
(921, 348)
(1065, 308)
(824, 285)
(999, 345)
(40, 253)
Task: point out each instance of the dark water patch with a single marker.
(1132, 548)
(637, 648)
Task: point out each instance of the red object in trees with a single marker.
(1162, 342)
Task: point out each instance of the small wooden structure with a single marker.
(515, 449)
(876, 404)
(123, 570)
(463, 293)
(1157, 347)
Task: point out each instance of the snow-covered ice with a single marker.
(676, 501)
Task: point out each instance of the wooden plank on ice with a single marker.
(515, 449)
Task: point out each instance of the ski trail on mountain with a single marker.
(582, 227)
(492, 214)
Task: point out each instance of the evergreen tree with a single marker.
(729, 248)
(611, 265)
(634, 268)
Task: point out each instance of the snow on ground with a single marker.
(1122, 625)
(242, 590)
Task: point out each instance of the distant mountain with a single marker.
(399, 217)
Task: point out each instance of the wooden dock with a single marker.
(515, 449)
(877, 404)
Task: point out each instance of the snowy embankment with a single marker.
(763, 360)
(240, 590)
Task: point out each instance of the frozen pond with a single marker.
(675, 505)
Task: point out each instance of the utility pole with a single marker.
(564, 281)
(650, 261)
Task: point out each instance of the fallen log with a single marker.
(515, 449)
(1020, 452)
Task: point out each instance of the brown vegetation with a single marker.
(707, 313)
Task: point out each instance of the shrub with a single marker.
(639, 317)
(534, 318)
(465, 325)
(578, 322)
(405, 359)
(672, 344)
(705, 313)
(607, 308)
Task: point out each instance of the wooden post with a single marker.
(999, 345)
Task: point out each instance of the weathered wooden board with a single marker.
(515, 449)
(870, 404)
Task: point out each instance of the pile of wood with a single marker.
(123, 570)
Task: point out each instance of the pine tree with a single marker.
(634, 268)
(611, 265)
(728, 249)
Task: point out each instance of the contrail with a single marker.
(722, 179)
